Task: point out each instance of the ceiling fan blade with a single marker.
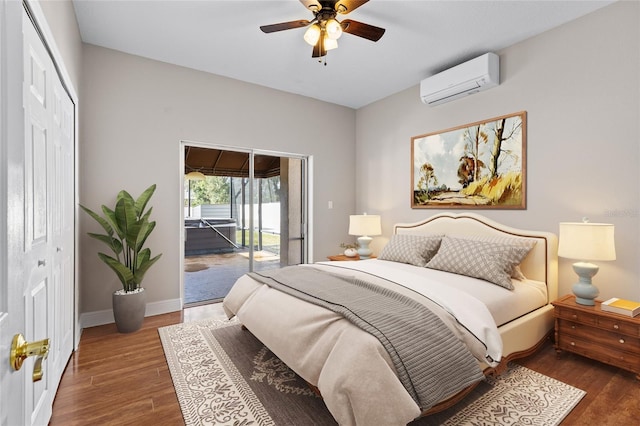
(312, 5)
(346, 6)
(284, 26)
(359, 29)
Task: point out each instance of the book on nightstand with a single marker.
(621, 306)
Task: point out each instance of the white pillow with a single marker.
(489, 261)
(412, 249)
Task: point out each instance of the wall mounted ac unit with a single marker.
(465, 79)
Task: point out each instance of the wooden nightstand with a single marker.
(343, 257)
(588, 331)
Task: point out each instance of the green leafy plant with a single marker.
(348, 246)
(127, 227)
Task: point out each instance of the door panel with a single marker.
(37, 272)
(38, 395)
(61, 199)
(12, 203)
(38, 157)
(293, 217)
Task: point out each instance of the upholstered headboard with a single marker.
(541, 264)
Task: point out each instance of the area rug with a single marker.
(224, 376)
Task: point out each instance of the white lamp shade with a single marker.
(364, 225)
(194, 176)
(587, 241)
(333, 29)
(312, 35)
(330, 44)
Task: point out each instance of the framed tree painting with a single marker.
(480, 165)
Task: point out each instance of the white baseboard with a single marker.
(92, 319)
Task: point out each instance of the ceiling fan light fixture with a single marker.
(323, 31)
(329, 43)
(333, 29)
(195, 176)
(312, 35)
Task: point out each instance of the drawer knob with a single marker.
(573, 327)
(621, 340)
(573, 343)
(616, 327)
(574, 316)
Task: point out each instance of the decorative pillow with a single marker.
(413, 249)
(488, 261)
(525, 242)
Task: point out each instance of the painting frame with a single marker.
(480, 165)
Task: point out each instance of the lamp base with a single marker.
(363, 247)
(584, 290)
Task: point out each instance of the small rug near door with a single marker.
(261, 256)
(224, 375)
(195, 267)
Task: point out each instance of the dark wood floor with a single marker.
(123, 379)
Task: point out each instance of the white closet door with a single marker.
(62, 167)
(62, 214)
(38, 288)
(48, 221)
(37, 208)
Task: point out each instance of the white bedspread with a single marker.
(469, 311)
(350, 367)
(504, 305)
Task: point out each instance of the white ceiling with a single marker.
(223, 37)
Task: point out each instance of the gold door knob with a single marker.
(21, 349)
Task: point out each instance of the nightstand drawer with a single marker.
(576, 315)
(620, 326)
(622, 359)
(613, 340)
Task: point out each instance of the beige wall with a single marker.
(580, 86)
(135, 113)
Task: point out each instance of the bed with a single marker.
(360, 379)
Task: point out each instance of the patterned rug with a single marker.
(224, 376)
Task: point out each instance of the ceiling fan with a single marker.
(324, 29)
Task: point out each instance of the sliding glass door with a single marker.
(244, 211)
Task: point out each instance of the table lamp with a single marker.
(364, 225)
(586, 242)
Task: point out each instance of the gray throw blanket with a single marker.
(430, 361)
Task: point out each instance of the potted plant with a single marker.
(127, 227)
